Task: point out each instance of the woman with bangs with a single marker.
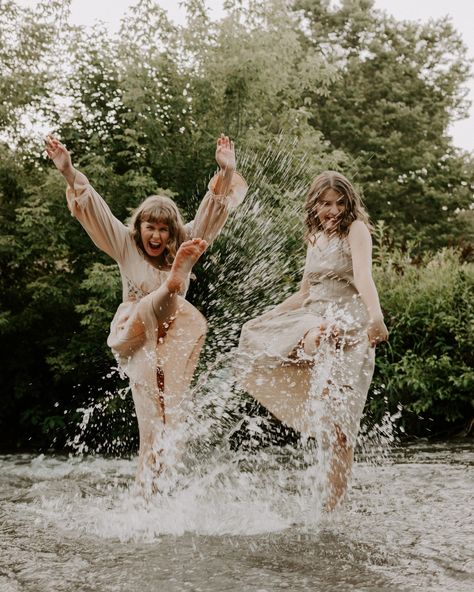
(156, 335)
(310, 360)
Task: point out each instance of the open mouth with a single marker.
(154, 246)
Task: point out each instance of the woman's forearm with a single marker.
(61, 157)
(290, 303)
(295, 300)
(224, 179)
(72, 175)
(69, 173)
(368, 292)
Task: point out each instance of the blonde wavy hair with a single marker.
(159, 208)
(353, 205)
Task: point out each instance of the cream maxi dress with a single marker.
(330, 389)
(159, 367)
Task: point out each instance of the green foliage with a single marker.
(428, 364)
(25, 62)
(399, 86)
(301, 87)
(103, 286)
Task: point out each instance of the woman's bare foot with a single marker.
(187, 255)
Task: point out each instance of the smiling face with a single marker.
(154, 237)
(329, 209)
(332, 204)
(157, 229)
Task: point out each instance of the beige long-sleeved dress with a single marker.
(159, 368)
(313, 394)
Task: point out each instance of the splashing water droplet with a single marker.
(237, 455)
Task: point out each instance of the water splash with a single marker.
(78, 515)
(106, 423)
(241, 471)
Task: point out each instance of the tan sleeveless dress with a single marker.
(332, 386)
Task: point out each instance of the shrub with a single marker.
(428, 364)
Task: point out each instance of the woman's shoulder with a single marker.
(359, 226)
(133, 256)
(131, 245)
(358, 229)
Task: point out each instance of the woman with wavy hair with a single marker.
(310, 360)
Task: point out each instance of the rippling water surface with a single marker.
(71, 523)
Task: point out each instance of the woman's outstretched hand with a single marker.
(225, 153)
(377, 332)
(58, 153)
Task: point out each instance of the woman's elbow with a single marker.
(363, 279)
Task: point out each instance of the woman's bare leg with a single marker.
(165, 298)
(157, 427)
(313, 338)
(340, 465)
(335, 453)
(151, 427)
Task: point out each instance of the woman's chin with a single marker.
(330, 226)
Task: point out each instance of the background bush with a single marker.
(301, 87)
(428, 364)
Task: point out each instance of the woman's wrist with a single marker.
(224, 181)
(227, 170)
(67, 170)
(69, 173)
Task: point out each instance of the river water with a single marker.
(246, 524)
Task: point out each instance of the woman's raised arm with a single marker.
(226, 191)
(85, 204)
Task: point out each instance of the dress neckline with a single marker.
(329, 240)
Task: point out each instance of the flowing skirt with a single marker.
(310, 393)
(160, 367)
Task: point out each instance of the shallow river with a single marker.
(73, 524)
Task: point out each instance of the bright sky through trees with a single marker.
(85, 12)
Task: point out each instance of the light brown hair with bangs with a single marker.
(159, 208)
(353, 206)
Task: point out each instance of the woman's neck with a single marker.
(157, 262)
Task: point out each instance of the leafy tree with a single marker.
(400, 84)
